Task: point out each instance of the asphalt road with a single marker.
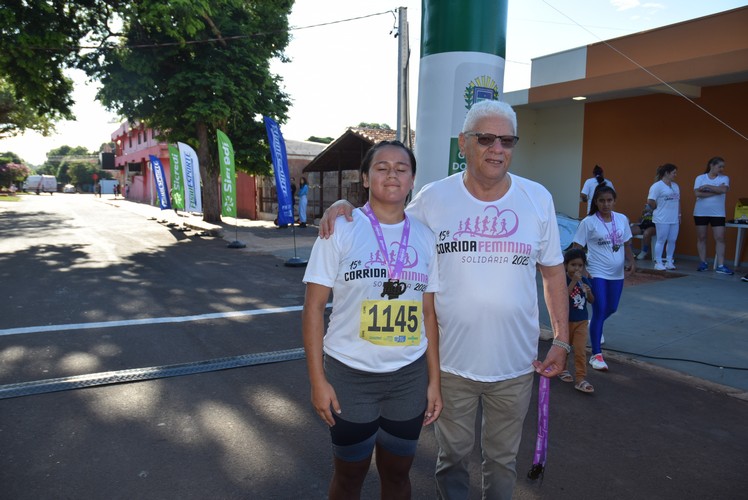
(76, 275)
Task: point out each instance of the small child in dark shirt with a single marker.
(580, 294)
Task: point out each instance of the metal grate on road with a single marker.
(138, 374)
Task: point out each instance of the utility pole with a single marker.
(403, 57)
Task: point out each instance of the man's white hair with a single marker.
(489, 109)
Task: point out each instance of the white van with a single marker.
(40, 184)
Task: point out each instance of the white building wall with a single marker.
(550, 151)
(560, 67)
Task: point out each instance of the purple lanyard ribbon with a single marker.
(613, 235)
(395, 271)
(541, 443)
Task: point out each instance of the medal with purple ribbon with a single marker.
(541, 443)
(393, 287)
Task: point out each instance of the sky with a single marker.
(344, 73)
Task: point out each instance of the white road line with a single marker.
(148, 321)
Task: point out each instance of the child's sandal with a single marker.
(584, 386)
(565, 376)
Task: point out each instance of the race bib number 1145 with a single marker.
(391, 322)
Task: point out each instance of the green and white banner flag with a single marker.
(193, 199)
(177, 186)
(228, 175)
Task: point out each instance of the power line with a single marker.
(218, 39)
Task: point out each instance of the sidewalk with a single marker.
(259, 236)
(695, 324)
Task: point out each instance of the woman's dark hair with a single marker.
(600, 189)
(575, 253)
(714, 161)
(598, 173)
(366, 162)
(664, 169)
(302, 181)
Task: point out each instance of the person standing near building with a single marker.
(303, 193)
(711, 189)
(664, 198)
(494, 231)
(588, 189)
(375, 374)
(607, 236)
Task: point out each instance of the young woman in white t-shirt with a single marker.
(374, 374)
(710, 189)
(607, 236)
(664, 198)
(588, 189)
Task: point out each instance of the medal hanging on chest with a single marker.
(615, 243)
(393, 287)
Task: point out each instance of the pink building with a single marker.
(134, 144)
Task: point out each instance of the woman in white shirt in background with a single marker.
(711, 189)
(664, 198)
(588, 189)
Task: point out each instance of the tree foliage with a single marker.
(37, 43)
(191, 67)
(17, 116)
(323, 140)
(184, 67)
(12, 169)
(82, 173)
(60, 159)
(377, 126)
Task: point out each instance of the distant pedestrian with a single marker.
(97, 189)
(580, 293)
(303, 192)
(711, 189)
(664, 198)
(588, 189)
(607, 236)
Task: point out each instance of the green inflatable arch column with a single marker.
(463, 46)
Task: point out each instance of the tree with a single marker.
(58, 160)
(17, 116)
(81, 173)
(323, 140)
(377, 126)
(191, 67)
(38, 41)
(12, 169)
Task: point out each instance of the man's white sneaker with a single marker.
(598, 363)
(642, 255)
(669, 266)
(659, 267)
